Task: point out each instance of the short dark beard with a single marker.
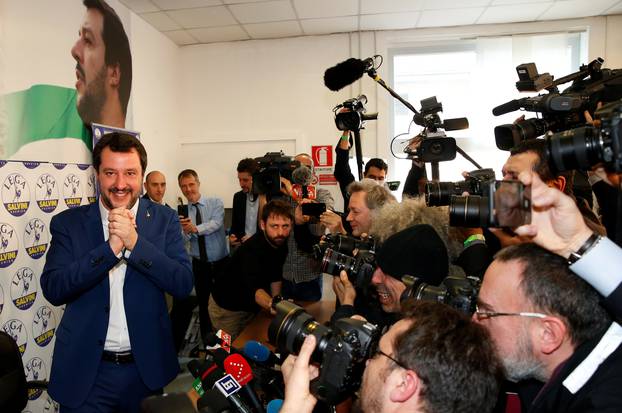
(92, 102)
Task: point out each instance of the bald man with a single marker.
(155, 187)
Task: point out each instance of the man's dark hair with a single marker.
(376, 162)
(550, 286)
(186, 173)
(541, 167)
(117, 47)
(279, 208)
(119, 142)
(248, 165)
(454, 357)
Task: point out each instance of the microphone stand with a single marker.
(435, 172)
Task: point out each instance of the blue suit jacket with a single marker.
(76, 274)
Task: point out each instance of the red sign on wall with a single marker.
(322, 155)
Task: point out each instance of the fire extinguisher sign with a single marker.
(322, 155)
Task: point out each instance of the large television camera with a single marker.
(559, 110)
(270, 168)
(458, 292)
(476, 183)
(341, 351)
(585, 147)
(435, 145)
(353, 118)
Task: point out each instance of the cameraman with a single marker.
(417, 251)
(433, 360)
(547, 323)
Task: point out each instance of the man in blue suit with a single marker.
(110, 264)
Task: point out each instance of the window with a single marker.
(470, 78)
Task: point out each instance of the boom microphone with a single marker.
(346, 73)
(507, 107)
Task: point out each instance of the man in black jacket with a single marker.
(245, 204)
(254, 274)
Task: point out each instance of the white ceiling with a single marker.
(189, 22)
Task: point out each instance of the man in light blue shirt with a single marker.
(204, 230)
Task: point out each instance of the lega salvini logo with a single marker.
(8, 245)
(43, 326)
(46, 193)
(24, 288)
(35, 238)
(72, 191)
(16, 194)
(16, 329)
(35, 370)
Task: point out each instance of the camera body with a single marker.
(457, 292)
(559, 111)
(476, 183)
(504, 204)
(340, 351)
(337, 254)
(583, 148)
(355, 116)
(270, 168)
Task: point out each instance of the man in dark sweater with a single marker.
(253, 276)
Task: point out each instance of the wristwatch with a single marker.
(587, 245)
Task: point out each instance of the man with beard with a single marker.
(110, 264)
(254, 274)
(103, 66)
(433, 360)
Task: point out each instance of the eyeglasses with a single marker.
(377, 351)
(485, 315)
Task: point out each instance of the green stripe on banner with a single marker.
(42, 112)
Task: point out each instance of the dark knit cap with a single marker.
(416, 251)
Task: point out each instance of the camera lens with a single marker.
(508, 136)
(333, 262)
(291, 325)
(438, 193)
(469, 211)
(574, 149)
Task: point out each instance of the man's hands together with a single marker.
(122, 230)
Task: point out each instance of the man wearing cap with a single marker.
(417, 251)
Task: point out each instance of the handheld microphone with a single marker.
(259, 353)
(274, 406)
(239, 368)
(507, 107)
(213, 402)
(302, 175)
(213, 376)
(346, 73)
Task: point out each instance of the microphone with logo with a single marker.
(213, 376)
(239, 368)
(302, 177)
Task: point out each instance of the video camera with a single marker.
(499, 204)
(435, 146)
(355, 116)
(337, 254)
(341, 351)
(560, 111)
(583, 148)
(270, 168)
(440, 193)
(457, 292)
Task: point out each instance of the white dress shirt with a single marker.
(117, 336)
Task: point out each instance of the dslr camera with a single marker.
(457, 292)
(341, 351)
(440, 193)
(355, 116)
(337, 253)
(270, 168)
(559, 111)
(435, 145)
(583, 148)
(503, 204)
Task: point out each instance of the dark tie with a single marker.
(202, 251)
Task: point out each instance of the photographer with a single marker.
(547, 323)
(417, 251)
(432, 360)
